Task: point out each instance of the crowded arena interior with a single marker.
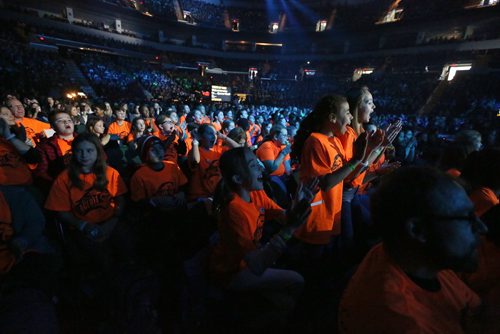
(237, 166)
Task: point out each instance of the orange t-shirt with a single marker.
(240, 227)
(347, 140)
(13, 170)
(322, 155)
(90, 204)
(121, 131)
(483, 199)
(7, 258)
(487, 276)
(270, 151)
(381, 298)
(206, 174)
(33, 128)
(147, 183)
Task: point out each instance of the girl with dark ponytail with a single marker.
(321, 155)
(239, 261)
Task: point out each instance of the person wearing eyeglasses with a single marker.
(55, 151)
(408, 283)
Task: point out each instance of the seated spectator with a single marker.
(239, 136)
(88, 199)
(157, 183)
(275, 152)
(55, 151)
(174, 141)
(138, 130)
(407, 283)
(203, 160)
(34, 128)
(120, 127)
(239, 261)
(15, 154)
(96, 127)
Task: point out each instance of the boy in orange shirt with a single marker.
(120, 127)
(157, 182)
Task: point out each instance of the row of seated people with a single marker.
(326, 224)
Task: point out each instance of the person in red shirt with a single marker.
(408, 284)
(239, 261)
(55, 151)
(120, 127)
(88, 198)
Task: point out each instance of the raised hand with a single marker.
(287, 150)
(301, 204)
(392, 131)
(373, 141)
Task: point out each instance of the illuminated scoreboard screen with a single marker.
(221, 94)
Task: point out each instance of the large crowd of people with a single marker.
(334, 203)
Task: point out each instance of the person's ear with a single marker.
(415, 229)
(237, 179)
(332, 118)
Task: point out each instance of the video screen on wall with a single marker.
(221, 93)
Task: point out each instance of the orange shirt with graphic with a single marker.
(240, 226)
(7, 258)
(269, 151)
(88, 204)
(121, 131)
(322, 155)
(147, 183)
(13, 170)
(206, 174)
(34, 128)
(483, 199)
(381, 298)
